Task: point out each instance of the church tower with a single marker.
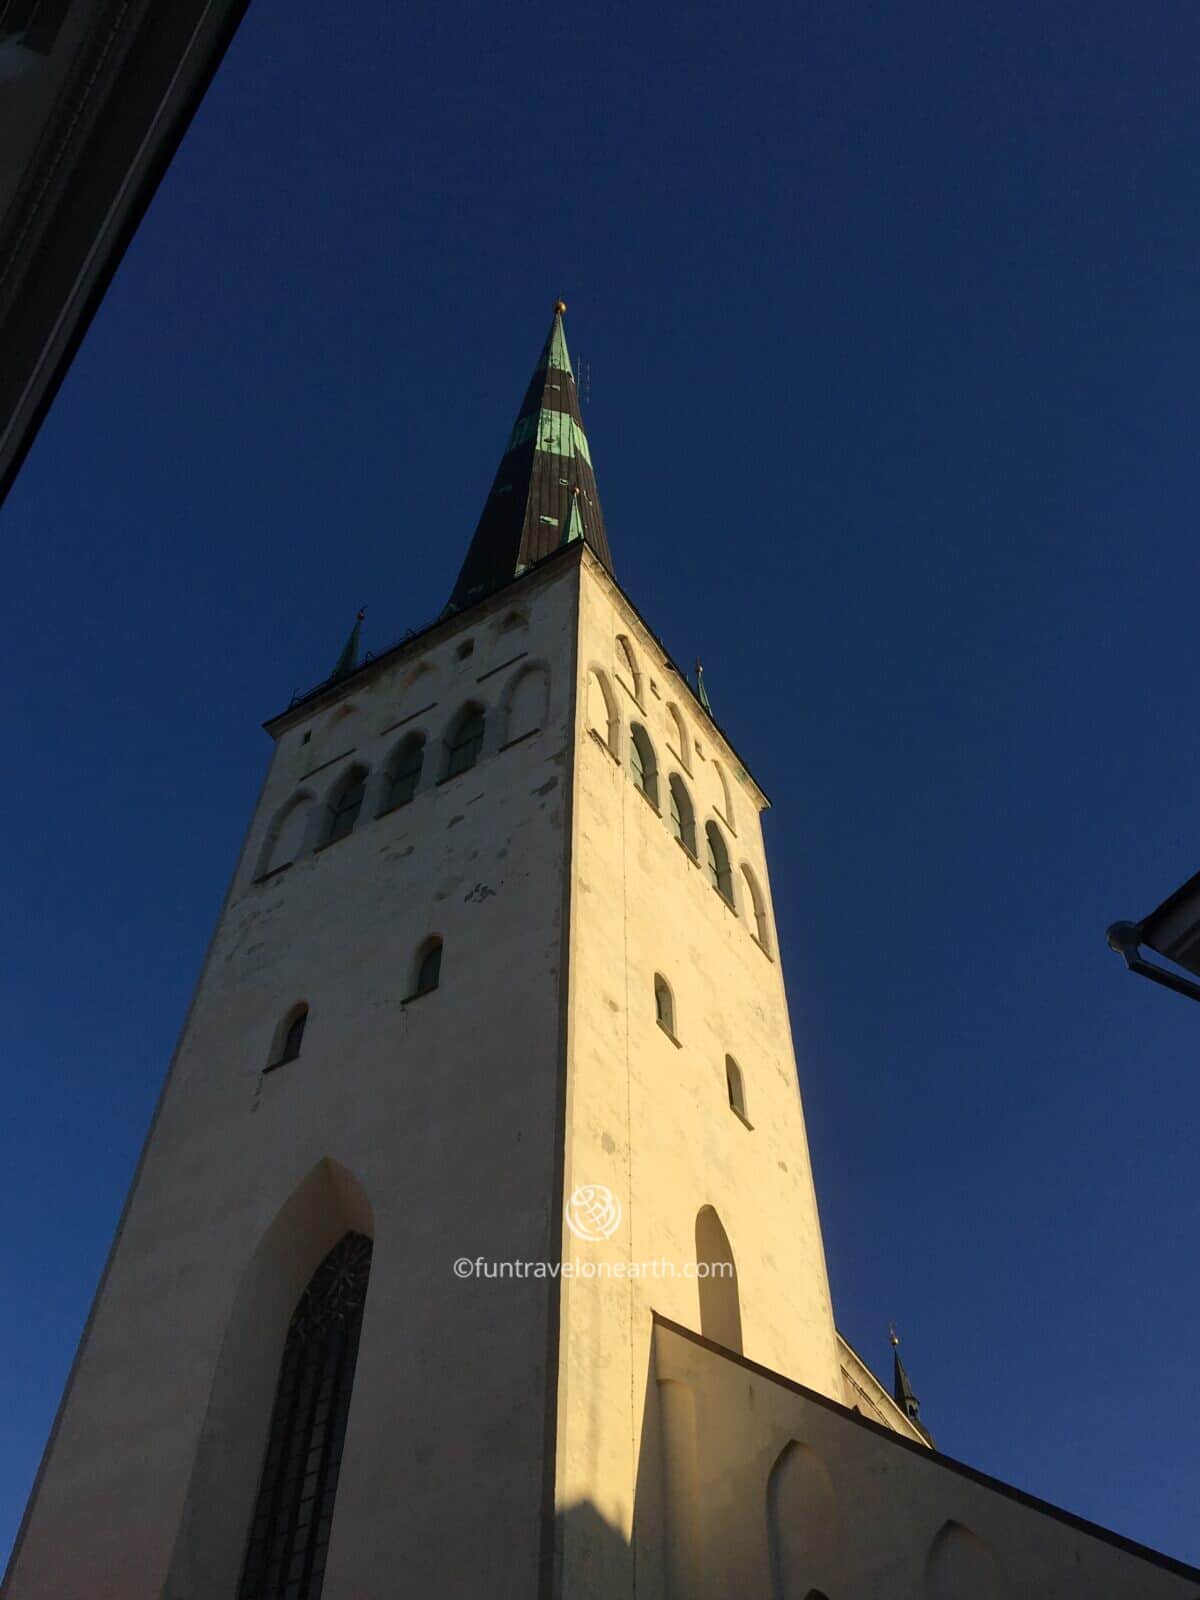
(490, 1048)
(473, 1253)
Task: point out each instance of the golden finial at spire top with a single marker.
(560, 306)
(893, 1336)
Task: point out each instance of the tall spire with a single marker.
(544, 494)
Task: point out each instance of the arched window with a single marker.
(628, 668)
(291, 1037)
(719, 874)
(287, 835)
(404, 774)
(720, 1311)
(642, 763)
(683, 817)
(602, 710)
(289, 1536)
(758, 908)
(464, 741)
(345, 805)
(526, 703)
(737, 1089)
(417, 693)
(679, 732)
(429, 967)
(726, 802)
(664, 1005)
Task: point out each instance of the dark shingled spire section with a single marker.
(545, 492)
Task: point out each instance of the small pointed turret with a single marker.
(544, 494)
(348, 659)
(902, 1389)
(701, 691)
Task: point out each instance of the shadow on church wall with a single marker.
(747, 1486)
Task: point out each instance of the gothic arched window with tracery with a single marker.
(293, 1516)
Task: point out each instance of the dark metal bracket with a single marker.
(1126, 939)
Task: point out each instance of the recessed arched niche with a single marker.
(716, 1280)
(803, 1526)
(228, 1464)
(962, 1566)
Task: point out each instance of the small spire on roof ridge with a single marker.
(348, 659)
(574, 525)
(902, 1389)
(701, 691)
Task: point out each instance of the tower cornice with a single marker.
(416, 640)
(420, 639)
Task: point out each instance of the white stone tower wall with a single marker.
(650, 1119)
(431, 1125)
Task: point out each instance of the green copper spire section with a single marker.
(544, 494)
(348, 659)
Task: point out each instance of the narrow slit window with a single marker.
(736, 1086)
(429, 968)
(293, 1037)
(664, 1004)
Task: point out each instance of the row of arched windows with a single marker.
(664, 1015)
(681, 814)
(604, 723)
(629, 674)
(426, 975)
(302, 825)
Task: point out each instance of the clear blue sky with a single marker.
(893, 330)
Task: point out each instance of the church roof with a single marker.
(544, 494)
